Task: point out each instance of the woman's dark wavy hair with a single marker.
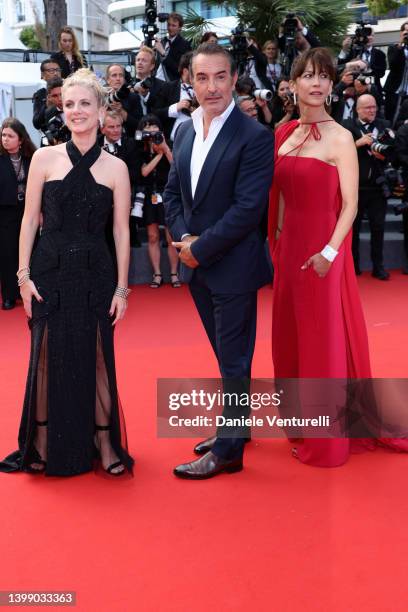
(320, 58)
(26, 144)
(149, 120)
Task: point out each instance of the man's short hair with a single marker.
(184, 62)
(48, 61)
(111, 66)
(113, 114)
(176, 17)
(53, 83)
(213, 49)
(148, 50)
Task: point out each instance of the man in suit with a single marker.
(49, 70)
(397, 80)
(215, 198)
(171, 48)
(371, 199)
(179, 100)
(129, 104)
(151, 90)
(113, 140)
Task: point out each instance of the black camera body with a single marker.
(290, 25)
(119, 95)
(239, 43)
(149, 137)
(359, 40)
(149, 27)
(55, 130)
(365, 77)
(384, 143)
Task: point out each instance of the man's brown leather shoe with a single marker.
(207, 466)
(206, 445)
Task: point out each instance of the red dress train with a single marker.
(318, 326)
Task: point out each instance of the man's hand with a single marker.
(346, 44)
(366, 140)
(159, 47)
(183, 104)
(347, 78)
(185, 254)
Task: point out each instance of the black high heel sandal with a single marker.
(156, 284)
(36, 455)
(175, 281)
(112, 466)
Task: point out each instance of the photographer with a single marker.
(344, 98)
(156, 159)
(283, 106)
(245, 87)
(396, 85)
(257, 66)
(122, 100)
(54, 128)
(179, 100)
(151, 90)
(49, 70)
(171, 48)
(113, 140)
(360, 46)
(401, 151)
(366, 130)
(292, 29)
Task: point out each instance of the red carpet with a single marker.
(280, 536)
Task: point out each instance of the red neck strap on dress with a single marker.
(314, 130)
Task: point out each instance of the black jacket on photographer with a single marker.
(174, 50)
(311, 38)
(156, 97)
(370, 168)
(133, 107)
(127, 150)
(39, 108)
(339, 102)
(260, 64)
(172, 95)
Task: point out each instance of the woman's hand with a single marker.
(118, 308)
(27, 291)
(319, 263)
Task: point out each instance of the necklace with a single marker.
(15, 159)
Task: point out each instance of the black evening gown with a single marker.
(72, 367)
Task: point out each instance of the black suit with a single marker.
(371, 198)
(133, 107)
(377, 64)
(225, 213)
(39, 108)
(171, 61)
(129, 152)
(172, 96)
(396, 64)
(11, 213)
(157, 96)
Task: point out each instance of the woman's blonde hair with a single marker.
(75, 46)
(85, 78)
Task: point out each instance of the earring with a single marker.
(294, 97)
(329, 100)
(100, 122)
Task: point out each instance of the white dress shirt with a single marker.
(202, 146)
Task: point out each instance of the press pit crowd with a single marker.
(143, 114)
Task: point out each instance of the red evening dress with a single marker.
(318, 326)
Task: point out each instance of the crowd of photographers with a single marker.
(143, 114)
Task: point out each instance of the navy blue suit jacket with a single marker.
(229, 201)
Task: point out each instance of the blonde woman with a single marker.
(73, 297)
(69, 57)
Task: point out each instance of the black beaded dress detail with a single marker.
(71, 380)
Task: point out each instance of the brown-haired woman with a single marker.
(318, 324)
(16, 151)
(69, 57)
